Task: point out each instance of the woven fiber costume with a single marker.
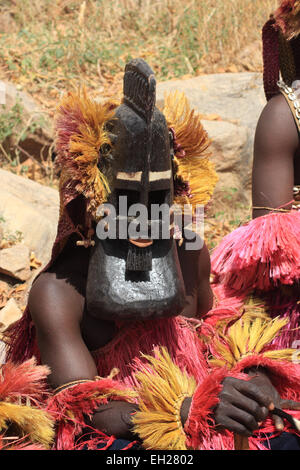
(22, 397)
(157, 359)
(258, 264)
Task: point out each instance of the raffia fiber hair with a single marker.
(281, 44)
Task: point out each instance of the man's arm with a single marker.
(276, 142)
(195, 267)
(56, 309)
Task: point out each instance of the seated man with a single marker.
(114, 316)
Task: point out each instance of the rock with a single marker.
(229, 152)
(238, 99)
(9, 314)
(15, 262)
(233, 96)
(35, 143)
(32, 209)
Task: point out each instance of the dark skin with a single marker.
(67, 335)
(276, 166)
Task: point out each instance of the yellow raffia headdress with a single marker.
(80, 135)
(191, 162)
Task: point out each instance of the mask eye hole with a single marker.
(133, 197)
(158, 198)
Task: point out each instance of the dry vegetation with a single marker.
(48, 46)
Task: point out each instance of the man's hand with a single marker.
(244, 405)
(261, 380)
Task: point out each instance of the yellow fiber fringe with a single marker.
(85, 144)
(31, 422)
(195, 166)
(246, 337)
(162, 390)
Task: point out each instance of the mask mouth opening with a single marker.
(138, 258)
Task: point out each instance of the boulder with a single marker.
(234, 101)
(29, 208)
(229, 152)
(37, 141)
(15, 262)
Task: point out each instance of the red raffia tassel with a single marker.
(137, 339)
(285, 306)
(18, 444)
(22, 395)
(261, 254)
(228, 307)
(72, 405)
(26, 380)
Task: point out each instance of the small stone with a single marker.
(9, 314)
(15, 262)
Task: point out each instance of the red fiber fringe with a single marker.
(261, 254)
(199, 425)
(71, 406)
(125, 352)
(270, 59)
(24, 380)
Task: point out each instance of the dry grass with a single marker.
(51, 45)
(48, 46)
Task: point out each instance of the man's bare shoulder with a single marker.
(53, 301)
(276, 128)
